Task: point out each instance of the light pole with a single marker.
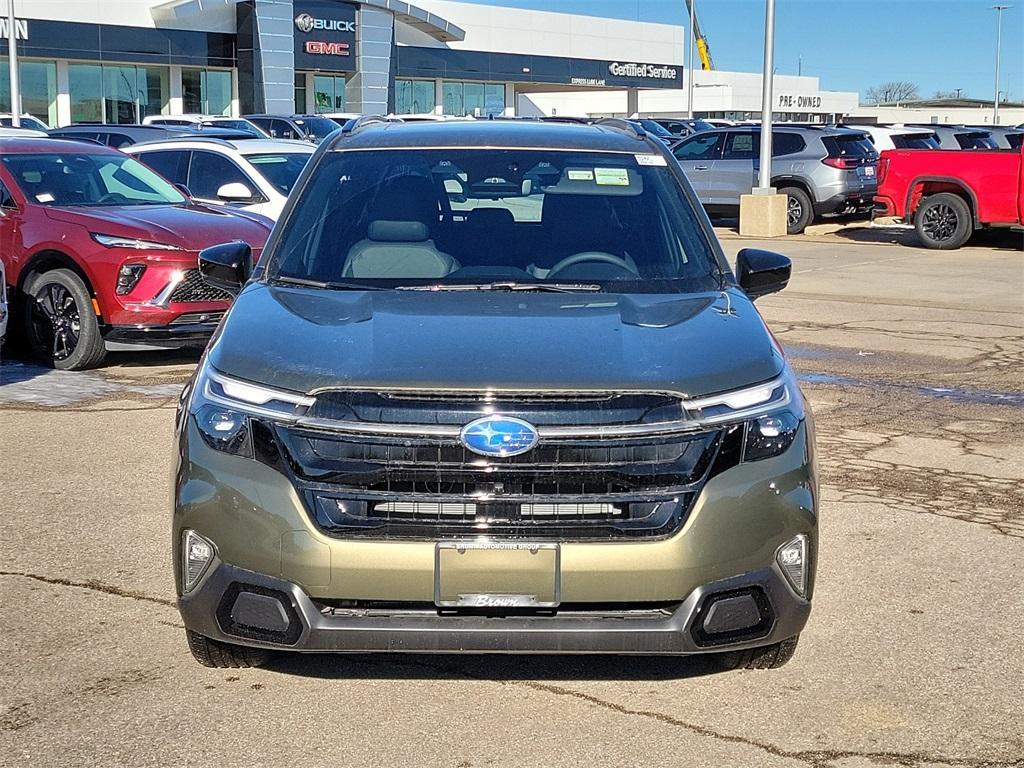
(999, 44)
(764, 173)
(12, 57)
(689, 76)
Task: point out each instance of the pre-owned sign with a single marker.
(325, 35)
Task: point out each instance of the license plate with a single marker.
(497, 574)
(868, 170)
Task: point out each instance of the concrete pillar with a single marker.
(632, 101)
(367, 92)
(175, 103)
(763, 213)
(439, 96)
(63, 94)
(510, 100)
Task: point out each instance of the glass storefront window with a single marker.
(414, 97)
(328, 93)
(478, 99)
(38, 89)
(85, 83)
(117, 93)
(206, 91)
(300, 93)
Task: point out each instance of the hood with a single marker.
(307, 339)
(189, 227)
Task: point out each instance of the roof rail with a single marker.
(181, 138)
(624, 125)
(357, 123)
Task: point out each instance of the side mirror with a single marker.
(234, 192)
(762, 272)
(184, 190)
(226, 266)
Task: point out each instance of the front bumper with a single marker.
(174, 335)
(209, 610)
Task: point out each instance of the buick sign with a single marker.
(306, 23)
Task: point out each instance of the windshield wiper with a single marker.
(507, 286)
(307, 283)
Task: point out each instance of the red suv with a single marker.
(100, 251)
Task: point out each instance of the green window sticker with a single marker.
(611, 177)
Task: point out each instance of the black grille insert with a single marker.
(194, 288)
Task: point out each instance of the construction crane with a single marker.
(703, 51)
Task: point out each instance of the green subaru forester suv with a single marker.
(493, 388)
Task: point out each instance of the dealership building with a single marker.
(121, 60)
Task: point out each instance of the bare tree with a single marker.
(950, 94)
(892, 92)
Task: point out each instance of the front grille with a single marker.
(194, 288)
(567, 489)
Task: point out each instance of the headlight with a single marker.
(223, 408)
(770, 435)
(771, 414)
(113, 241)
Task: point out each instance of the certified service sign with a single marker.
(643, 71)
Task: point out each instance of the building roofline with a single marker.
(412, 15)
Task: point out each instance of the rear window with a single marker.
(849, 145)
(975, 140)
(915, 141)
(1015, 140)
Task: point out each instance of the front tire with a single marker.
(217, 655)
(799, 210)
(766, 657)
(60, 323)
(943, 221)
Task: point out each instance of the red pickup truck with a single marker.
(948, 194)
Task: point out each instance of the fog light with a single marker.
(792, 559)
(198, 554)
(128, 277)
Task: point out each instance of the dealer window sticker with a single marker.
(611, 177)
(651, 160)
(580, 175)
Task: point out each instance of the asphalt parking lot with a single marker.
(914, 363)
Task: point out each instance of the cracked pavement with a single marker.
(914, 363)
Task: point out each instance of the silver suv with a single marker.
(824, 170)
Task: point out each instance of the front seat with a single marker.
(398, 242)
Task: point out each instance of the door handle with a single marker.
(700, 167)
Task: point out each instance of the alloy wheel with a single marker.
(794, 211)
(56, 321)
(940, 222)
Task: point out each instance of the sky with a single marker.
(850, 44)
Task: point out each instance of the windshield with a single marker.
(236, 125)
(320, 127)
(914, 141)
(281, 169)
(656, 128)
(385, 219)
(76, 179)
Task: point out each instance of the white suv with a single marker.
(898, 137)
(253, 174)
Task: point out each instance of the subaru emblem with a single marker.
(499, 436)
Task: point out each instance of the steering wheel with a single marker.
(596, 256)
